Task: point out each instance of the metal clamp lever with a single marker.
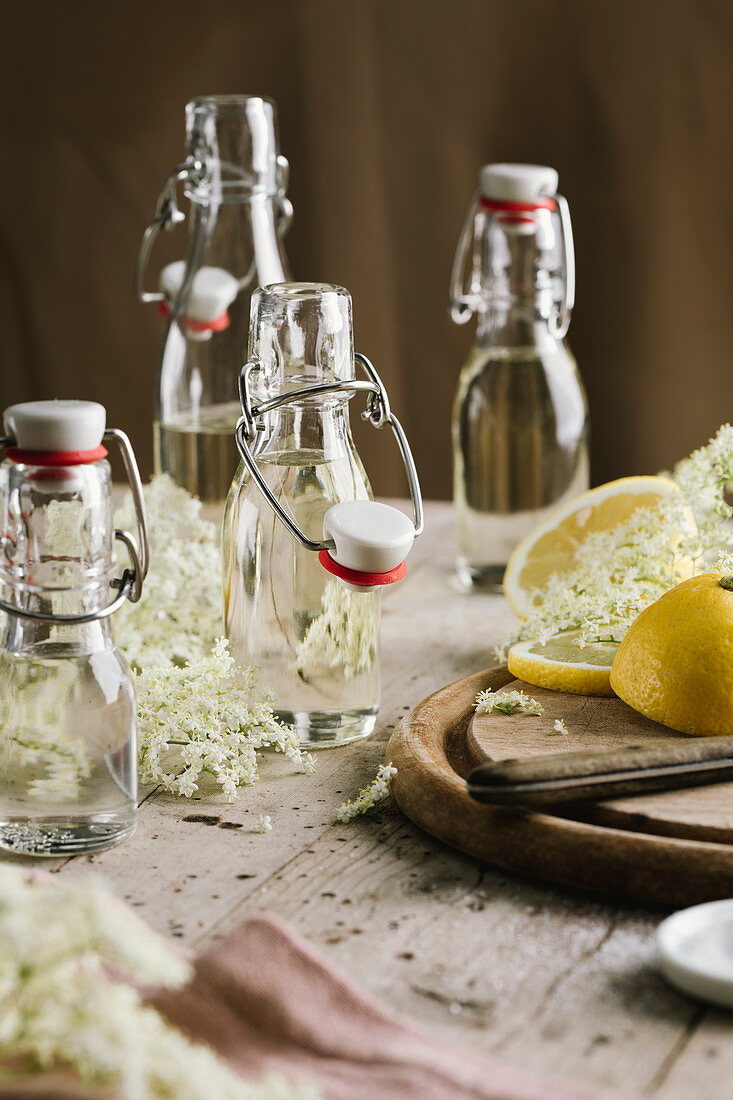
(377, 413)
(130, 584)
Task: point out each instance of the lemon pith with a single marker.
(675, 664)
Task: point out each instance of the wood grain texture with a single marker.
(560, 981)
(433, 753)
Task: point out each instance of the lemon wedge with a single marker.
(562, 665)
(551, 546)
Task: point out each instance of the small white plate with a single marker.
(695, 950)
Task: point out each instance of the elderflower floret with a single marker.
(368, 797)
(560, 726)
(263, 824)
(506, 702)
(68, 954)
(345, 635)
(620, 572)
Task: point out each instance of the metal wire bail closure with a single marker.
(130, 584)
(465, 280)
(168, 215)
(377, 412)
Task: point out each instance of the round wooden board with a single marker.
(672, 849)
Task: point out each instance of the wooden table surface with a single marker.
(555, 980)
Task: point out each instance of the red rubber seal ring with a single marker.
(353, 576)
(55, 458)
(198, 326)
(516, 207)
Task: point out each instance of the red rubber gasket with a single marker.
(499, 204)
(353, 576)
(55, 458)
(198, 326)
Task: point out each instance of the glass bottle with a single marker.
(235, 181)
(314, 638)
(520, 419)
(68, 762)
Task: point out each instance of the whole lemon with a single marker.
(675, 665)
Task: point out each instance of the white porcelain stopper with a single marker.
(517, 182)
(370, 537)
(212, 291)
(695, 950)
(56, 425)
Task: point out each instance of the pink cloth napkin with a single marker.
(266, 1001)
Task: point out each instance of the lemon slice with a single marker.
(562, 665)
(550, 547)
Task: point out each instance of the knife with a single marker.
(603, 773)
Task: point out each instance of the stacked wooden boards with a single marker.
(672, 848)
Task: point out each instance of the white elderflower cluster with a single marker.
(211, 718)
(506, 702)
(68, 954)
(368, 797)
(263, 824)
(344, 636)
(179, 616)
(620, 572)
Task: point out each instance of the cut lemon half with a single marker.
(562, 665)
(551, 546)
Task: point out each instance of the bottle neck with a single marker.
(26, 637)
(311, 427)
(517, 299)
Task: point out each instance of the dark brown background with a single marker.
(387, 109)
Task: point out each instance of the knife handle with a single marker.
(603, 773)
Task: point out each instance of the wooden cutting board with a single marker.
(673, 848)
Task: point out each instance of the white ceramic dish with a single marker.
(695, 951)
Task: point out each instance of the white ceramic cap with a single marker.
(517, 182)
(212, 291)
(56, 425)
(370, 537)
(695, 950)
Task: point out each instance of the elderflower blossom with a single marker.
(263, 824)
(618, 573)
(506, 702)
(560, 726)
(345, 635)
(68, 954)
(179, 616)
(368, 797)
(208, 718)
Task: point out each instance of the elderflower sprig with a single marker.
(208, 718)
(560, 726)
(616, 574)
(506, 702)
(68, 956)
(368, 797)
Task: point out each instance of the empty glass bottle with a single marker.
(314, 638)
(520, 421)
(68, 761)
(235, 180)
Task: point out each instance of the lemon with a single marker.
(562, 665)
(550, 547)
(675, 665)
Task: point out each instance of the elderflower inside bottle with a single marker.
(520, 420)
(67, 704)
(315, 641)
(235, 180)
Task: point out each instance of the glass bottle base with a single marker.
(481, 578)
(64, 836)
(329, 729)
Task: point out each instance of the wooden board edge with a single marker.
(656, 869)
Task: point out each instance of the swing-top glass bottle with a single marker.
(235, 180)
(520, 421)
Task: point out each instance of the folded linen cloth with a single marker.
(266, 1001)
